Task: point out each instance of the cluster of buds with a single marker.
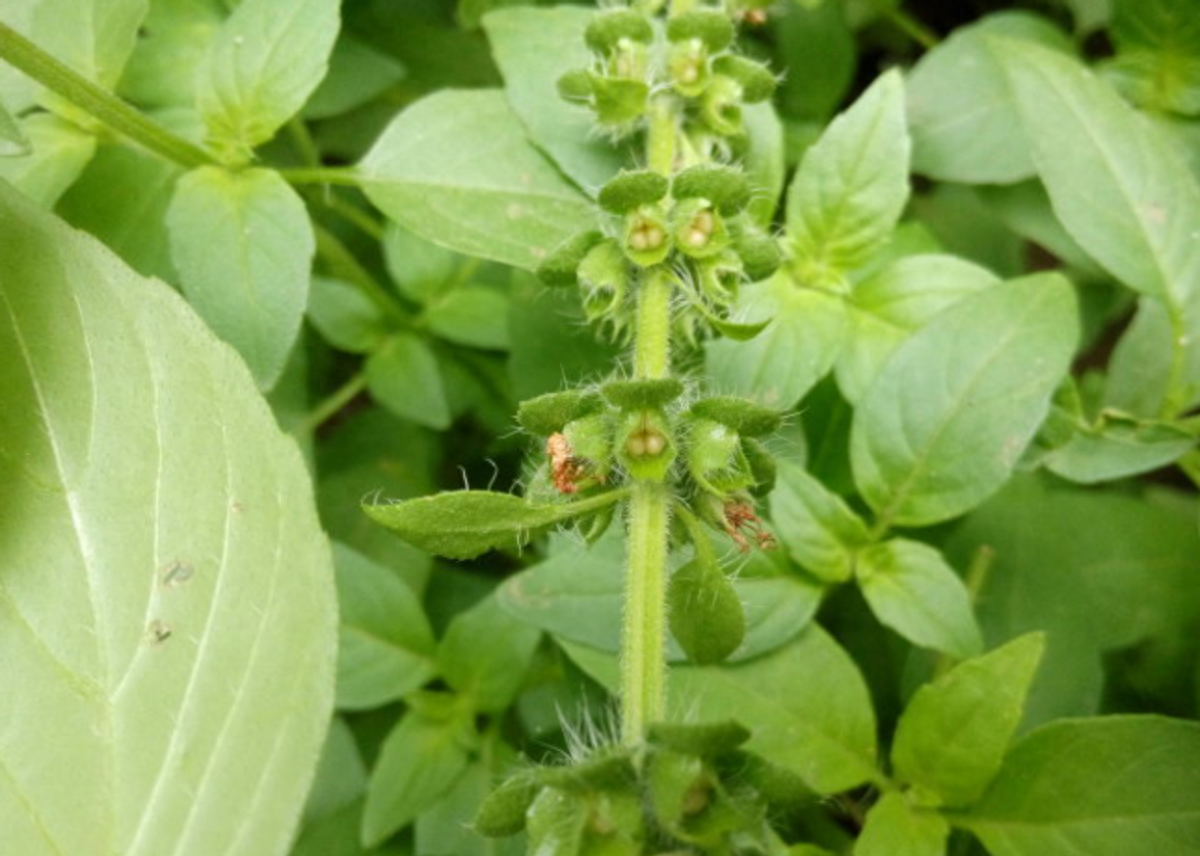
(695, 790)
(695, 64)
(639, 429)
(695, 223)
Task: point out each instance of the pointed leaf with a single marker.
(243, 245)
(168, 604)
(404, 377)
(457, 169)
(896, 828)
(819, 530)
(485, 654)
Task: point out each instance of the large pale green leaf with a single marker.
(950, 740)
(852, 184)
(781, 364)
(534, 48)
(963, 115)
(243, 245)
(1111, 786)
(943, 424)
(1096, 570)
(457, 169)
(892, 304)
(166, 594)
(94, 37)
(262, 65)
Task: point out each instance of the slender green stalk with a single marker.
(328, 407)
(652, 334)
(24, 55)
(644, 632)
(912, 27)
(323, 175)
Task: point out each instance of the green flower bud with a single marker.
(740, 414)
(630, 190)
(549, 413)
(576, 86)
(720, 108)
(502, 813)
(759, 252)
(756, 80)
(560, 267)
(644, 444)
(710, 26)
(604, 278)
(726, 187)
(606, 30)
(688, 67)
(642, 394)
(617, 100)
(647, 239)
(698, 229)
(705, 612)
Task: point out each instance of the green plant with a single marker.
(862, 500)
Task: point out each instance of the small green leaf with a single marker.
(704, 739)
(386, 645)
(725, 187)
(706, 616)
(779, 366)
(358, 73)
(13, 141)
(472, 316)
(490, 194)
(404, 377)
(757, 81)
(629, 190)
(1104, 787)
(419, 762)
(816, 526)
(642, 394)
(711, 26)
(853, 183)
(912, 590)
(945, 421)
(264, 62)
(485, 654)
(550, 413)
(963, 114)
(341, 774)
(764, 162)
(1118, 446)
(421, 269)
(951, 738)
(896, 828)
(743, 416)
(561, 266)
(344, 316)
(465, 524)
(243, 244)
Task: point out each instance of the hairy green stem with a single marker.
(652, 333)
(644, 632)
(56, 76)
(662, 136)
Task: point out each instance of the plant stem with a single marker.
(329, 406)
(662, 136)
(24, 55)
(323, 175)
(643, 635)
(912, 28)
(652, 334)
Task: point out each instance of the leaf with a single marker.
(385, 646)
(1096, 570)
(172, 44)
(763, 161)
(963, 114)
(780, 365)
(457, 169)
(818, 50)
(264, 62)
(94, 37)
(58, 152)
(853, 183)
(946, 419)
(422, 270)
(705, 613)
(1118, 446)
(534, 48)
(467, 523)
(358, 73)
(472, 316)
(485, 654)
(243, 245)
(896, 828)
(1025, 209)
(341, 775)
(816, 526)
(345, 317)
(421, 759)
(577, 595)
(404, 377)
(1105, 787)
(167, 599)
(912, 590)
(13, 142)
(951, 738)
(892, 304)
